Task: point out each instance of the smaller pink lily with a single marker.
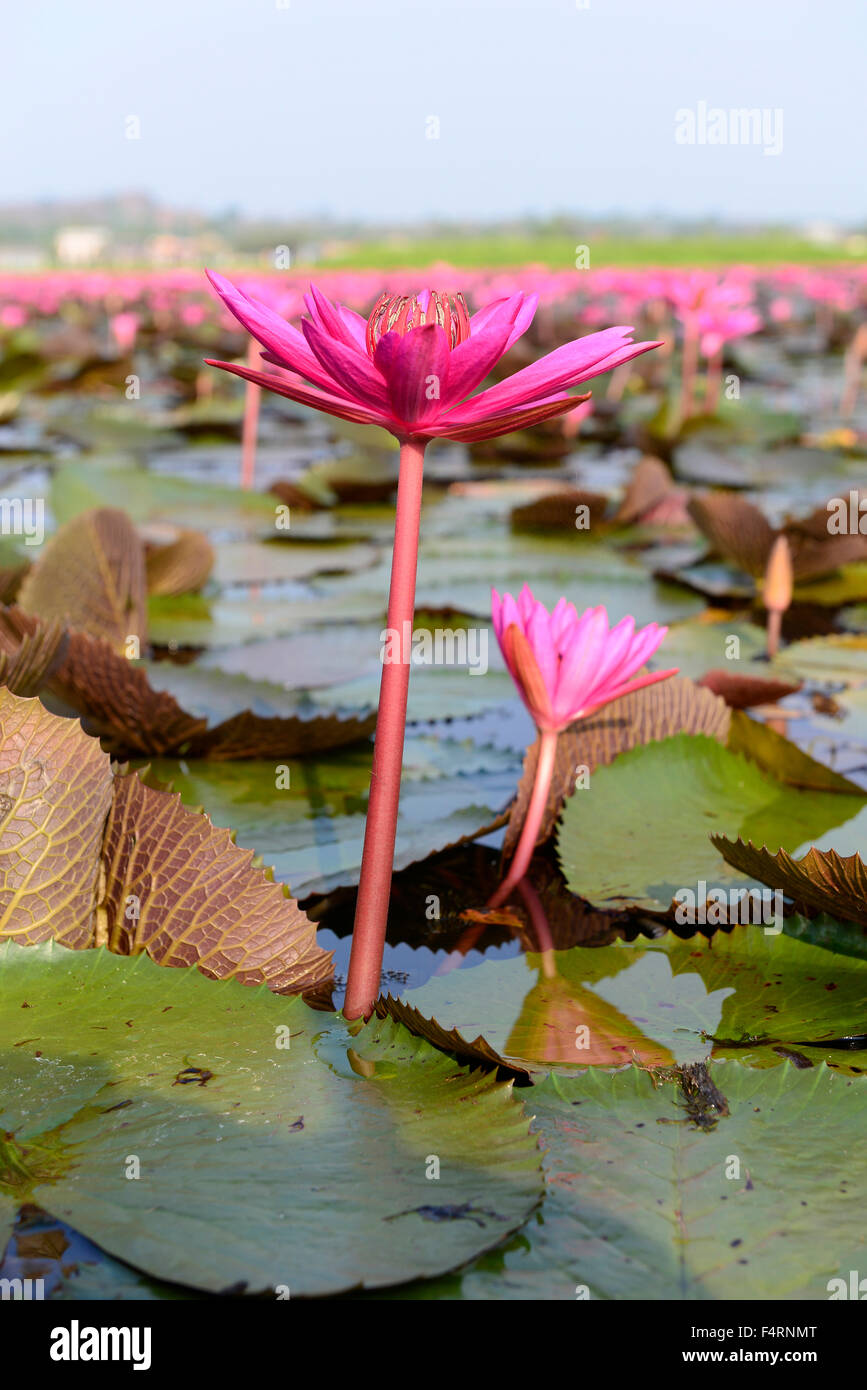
(565, 667)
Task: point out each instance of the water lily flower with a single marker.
(411, 367)
(566, 667)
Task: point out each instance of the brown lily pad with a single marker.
(743, 692)
(92, 857)
(122, 707)
(740, 532)
(181, 890)
(91, 576)
(650, 486)
(55, 793)
(823, 880)
(181, 567)
(558, 511)
(26, 666)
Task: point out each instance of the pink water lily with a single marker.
(411, 367)
(565, 667)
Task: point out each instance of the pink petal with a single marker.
(297, 390)
(504, 424)
(414, 365)
(564, 367)
(355, 375)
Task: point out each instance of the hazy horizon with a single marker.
(328, 109)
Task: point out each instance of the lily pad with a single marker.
(656, 1002)
(640, 832)
(92, 576)
(643, 1202)
(149, 496)
(91, 857)
(310, 823)
(260, 1165)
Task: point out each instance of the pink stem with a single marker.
(250, 429)
(535, 812)
(377, 861)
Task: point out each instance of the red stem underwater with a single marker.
(377, 863)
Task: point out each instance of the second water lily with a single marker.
(566, 667)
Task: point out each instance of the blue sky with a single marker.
(322, 106)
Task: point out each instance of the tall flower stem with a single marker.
(535, 811)
(377, 862)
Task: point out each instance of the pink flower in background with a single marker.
(720, 326)
(124, 328)
(13, 316)
(565, 667)
(412, 366)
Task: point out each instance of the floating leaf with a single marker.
(735, 527)
(744, 691)
(312, 831)
(26, 664)
(783, 759)
(559, 511)
(55, 792)
(92, 576)
(656, 1002)
(641, 832)
(181, 890)
(839, 658)
(136, 716)
(262, 1165)
(644, 1201)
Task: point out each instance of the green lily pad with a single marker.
(655, 1002)
(456, 572)
(279, 562)
(190, 620)
(193, 1131)
(312, 831)
(696, 647)
(643, 1203)
(639, 834)
(837, 659)
(148, 496)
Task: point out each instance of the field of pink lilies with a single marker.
(433, 783)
